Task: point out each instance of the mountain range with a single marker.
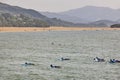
(83, 17)
(32, 14)
(88, 14)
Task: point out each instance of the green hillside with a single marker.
(19, 20)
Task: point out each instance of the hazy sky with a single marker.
(61, 5)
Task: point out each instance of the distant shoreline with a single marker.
(34, 29)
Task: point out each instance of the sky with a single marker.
(61, 5)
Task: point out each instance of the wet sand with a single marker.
(32, 29)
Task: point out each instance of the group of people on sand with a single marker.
(103, 60)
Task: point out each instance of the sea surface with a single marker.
(45, 48)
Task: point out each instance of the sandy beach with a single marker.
(28, 29)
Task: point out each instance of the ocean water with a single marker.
(45, 48)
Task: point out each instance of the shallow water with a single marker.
(45, 48)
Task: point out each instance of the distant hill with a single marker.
(14, 10)
(92, 13)
(115, 26)
(64, 17)
(5, 8)
(106, 22)
(88, 15)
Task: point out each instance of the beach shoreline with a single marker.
(52, 28)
